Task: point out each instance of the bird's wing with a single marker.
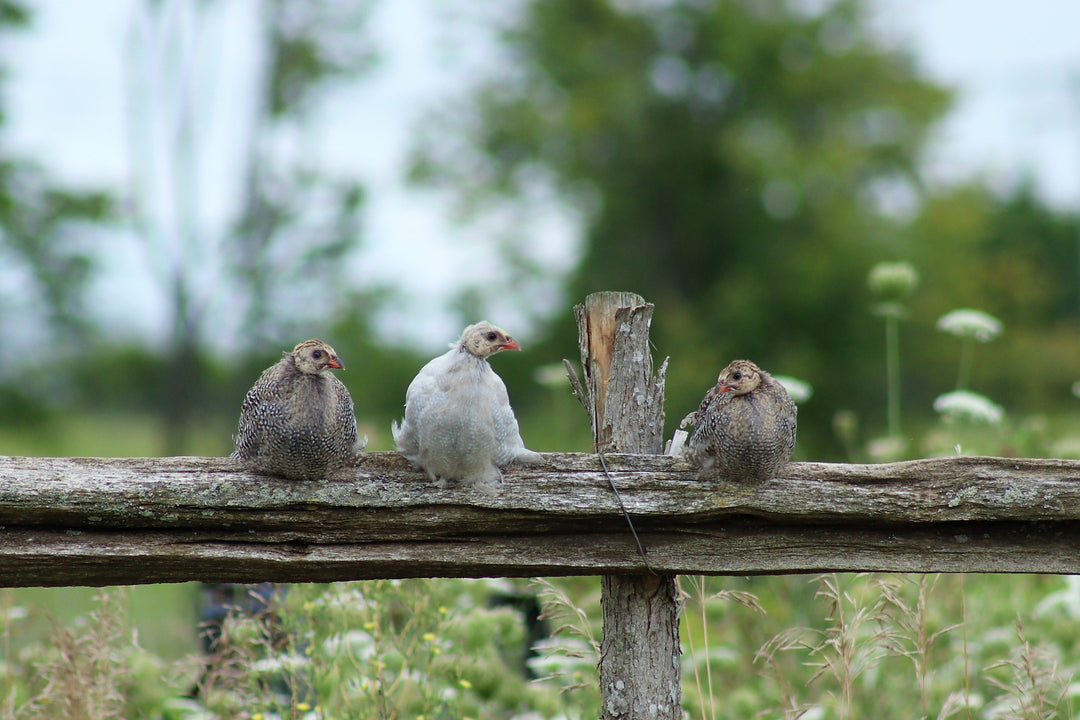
(425, 390)
(346, 416)
(262, 404)
(508, 443)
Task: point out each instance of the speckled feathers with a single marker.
(745, 427)
(297, 421)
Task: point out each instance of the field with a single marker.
(966, 646)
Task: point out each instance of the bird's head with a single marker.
(484, 340)
(739, 378)
(314, 356)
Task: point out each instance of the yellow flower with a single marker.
(303, 707)
(465, 683)
(429, 637)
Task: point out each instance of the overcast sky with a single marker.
(1016, 66)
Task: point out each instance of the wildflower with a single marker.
(354, 643)
(464, 683)
(1066, 600)
(279, 663)
(974, 324)
(893, 281)
(799, 390)
(429, 637)
(965, 404)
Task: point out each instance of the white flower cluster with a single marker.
(968, 405)
(975, 324)
(893, 280)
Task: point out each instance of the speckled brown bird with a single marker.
(745, 426)
(458, 421)
(297, 420)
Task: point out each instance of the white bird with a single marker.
(458, 421)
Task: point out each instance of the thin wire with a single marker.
(626, 514)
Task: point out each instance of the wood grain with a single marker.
(97, 521)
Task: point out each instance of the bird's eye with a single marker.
(491, 336)
(317, 354)
(736, 375)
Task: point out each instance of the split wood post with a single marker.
(639, 656)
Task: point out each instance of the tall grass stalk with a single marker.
(892, 373)
(702, 597)
(904, 628)
(852, 644)
(1034, 688)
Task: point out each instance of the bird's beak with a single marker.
(724, 388)
(335, 363)
(511, 344)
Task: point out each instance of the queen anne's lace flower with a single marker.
(975, 324)
(968, 405)
(893, 280)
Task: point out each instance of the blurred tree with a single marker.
(44, 263)
(741, 164)
(280, 262)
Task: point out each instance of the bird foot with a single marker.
(529, 457)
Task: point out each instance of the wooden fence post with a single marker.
(639, 655)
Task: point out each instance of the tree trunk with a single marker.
(639, 656)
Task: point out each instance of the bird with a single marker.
(745, 426)
(458, 421)
(297, 421)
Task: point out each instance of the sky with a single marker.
(1016, 67)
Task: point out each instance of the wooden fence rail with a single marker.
(94, 521)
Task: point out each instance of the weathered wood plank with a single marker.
(210, 492)
(39, 557)
(95, 521)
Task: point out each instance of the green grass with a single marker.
(74, 435)
(166, 616)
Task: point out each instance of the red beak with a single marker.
(724, 388)
(511, 344)
(335, 363)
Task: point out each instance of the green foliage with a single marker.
(727, 159)
(381, 649)
(41, 228)
(46, 267)
(844, 646)
(743, 165)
